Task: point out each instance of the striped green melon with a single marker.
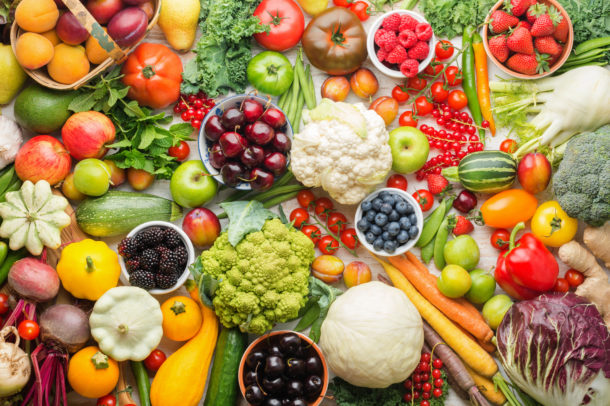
(484, 171)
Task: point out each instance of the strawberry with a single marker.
(517, 7)
(547, 45)
(498, 48)
(543, 26)
(437, 184)
(461, 225)
(528, 64)
(502, 21)
(554, 58)
(524, 24)
(520, 41)
(535, 11)
(561, 28)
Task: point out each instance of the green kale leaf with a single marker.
(449, 17)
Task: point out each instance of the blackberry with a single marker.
(166, 281)
(149, 260)
(162, 250)
(132, 264)
(142, 279)
(128, 247)
(151, 237)
(181, 255)
(168, 263)
(172, 238)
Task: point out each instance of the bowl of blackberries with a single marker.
(155, 256)
(283, 368)
(389, 222)
(244, 142)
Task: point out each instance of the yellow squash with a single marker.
(88, 269)
(181, 318)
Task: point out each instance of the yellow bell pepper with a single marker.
(552, 225)
(88, 268)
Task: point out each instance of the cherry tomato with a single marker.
(561, 285)
(574, 277)
(4, 306)
(500, 238)
(457, 99)
(397, 181)
(350, 238)
(399, 94)
(336, 222)
(322, 207)
(154, 360)
(108, 400)
(439, 92)
(406, 119)
(28, 329)
(299, 216)
(305, 198)
(328, 245)
(361, 9)
(508, 146)
(342, 3)
(453, 76)
(416, 84)
(312, 232)
(434, 68)
(443, 49)
(424, 198)
(180, 151)
(422, 106)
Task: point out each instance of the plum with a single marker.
(69, 30)
(104, 10)
(128, 26)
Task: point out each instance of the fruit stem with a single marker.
(513, 234)
(148, 72)
(90, 266)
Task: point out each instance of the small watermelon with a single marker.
(484, 171)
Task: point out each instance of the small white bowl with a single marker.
(418, 213)
(370, 45)
(189, 249)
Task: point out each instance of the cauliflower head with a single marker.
(332, 153)
(263, 280)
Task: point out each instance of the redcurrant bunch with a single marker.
(426, 381)
(193, 108)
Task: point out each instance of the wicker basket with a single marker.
(117, 54)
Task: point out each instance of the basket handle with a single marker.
(95, 29)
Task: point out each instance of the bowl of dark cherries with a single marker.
(283, 368)
(244, 142)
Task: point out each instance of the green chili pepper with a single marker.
(142, 381)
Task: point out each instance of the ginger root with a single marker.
(597, 239)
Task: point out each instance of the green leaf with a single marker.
(311, 315)
(148, 135)
(207, 288)
(124, 143)
(82, 102)
(244, 218)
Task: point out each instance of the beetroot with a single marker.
(34, 280)
(65, 325)
(128, 26)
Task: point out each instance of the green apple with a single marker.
(91, 177)
(191, 185)
(495, 309)
(483, 286)
(454, 281)
(463, 251)
(410, 149)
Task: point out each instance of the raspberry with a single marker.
(407, 23)
(391, 22)
(423, 31)
(397, 55)
(407, 38)
(419, 51)
(389, 40)
(380, 32)
(409, 68)
(382, 54)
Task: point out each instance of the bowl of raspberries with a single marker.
(401, 43)
(528, 39)
(155, 256)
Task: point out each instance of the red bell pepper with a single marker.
(527, 269)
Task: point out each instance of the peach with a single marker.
(386, 107)
(356, 273)
(95, 53)
(364, 83)
(69, 64)
(69, 190)
(327, 268)
(139, 179)
(36, 15)
(117, 175)
(51, 35)
(335, 88)
(33, 50)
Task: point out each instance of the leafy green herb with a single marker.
(7, 11)
(244, 218)
(346, 394)
(321, 296)
(142, 142)
(449, 17)
(590, 18)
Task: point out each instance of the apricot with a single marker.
(69, 64)
(335, 88)
(33, 50)
(327, 268)
(95, 53)
(139, 179)
(364, 83)
(37, 15)
(386, 107)
(69, 190)
(356, 273)
(117, 175)
(52, 36)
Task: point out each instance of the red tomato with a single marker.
(435, 67)
(424, 198)
(406, 119)
(322, 207)
(342, 3)
(305, 198)
(28, 329)
(180, 151)
(453, 76)
(439, 92)
(299, 216)
(500, 238)
(286, 24)
(336, 222)
(361, 9)
(561, 285)
(422, 106)
(350, 238)
(108, 400)
(399, 94)
(416, 84)
(328, 245)
(397, 181)
(312, 232)
(508, 146)
(574, 278)
(4, 306)
(457, 99)
(154, 360)
(443, 49)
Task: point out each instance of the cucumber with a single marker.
(222, 388)
(484, 171)
(117, 212)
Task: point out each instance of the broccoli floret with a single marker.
(582, 181)
(263, 280)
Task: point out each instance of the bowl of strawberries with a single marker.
(528, 39)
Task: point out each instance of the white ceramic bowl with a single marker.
(189, 249)
(204, 144)
(418, 213)
(370, 45)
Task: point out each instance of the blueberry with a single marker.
(413, 218)
(386, 236)
(378, 244)
(409, 209)
(370, 237)
(389, 246)
(401, 207)
(394, 216)
(376, 203)
(404, 223)
(383, 194)
(386, 208)
(402, 237)
(375, 229)
(389, 199)
(366, 205)
(363, 224)
(370, 215)
(413, 230)
(393, 228)
(381, 219)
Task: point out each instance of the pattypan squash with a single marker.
(127, 322)
(88, 268)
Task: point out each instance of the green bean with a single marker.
(299, 112)
(279, 199)
(599, 52)
(569, 64)
(312, 89)
(300, 75)
(237, 195)
(278, 191)
(430, 228)
(282, 100)
(439, 244)
(142, 381)
(592, 44)
(469, 83)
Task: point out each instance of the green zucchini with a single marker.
(222, 388)
(117, 212)
(484, 171)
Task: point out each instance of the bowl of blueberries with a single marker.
(389, 222)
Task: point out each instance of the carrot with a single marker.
(480, 66)
(487, 388)
(464, 346)
(460, 311)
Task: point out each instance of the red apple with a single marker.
(43, 158)
(104, 10)
(202, 226)
(534, 172)
(86, 134)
